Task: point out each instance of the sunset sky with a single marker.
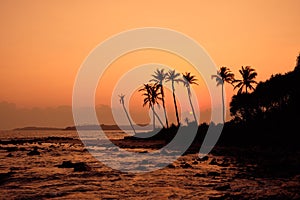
(43, 44)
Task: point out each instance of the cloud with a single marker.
(11, 116)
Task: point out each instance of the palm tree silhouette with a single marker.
(173, 77)
(223, 75)
(189, 79)
(151, 94)
(122, 102)
(158, 77)
(248, 74)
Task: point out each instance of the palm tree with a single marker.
(223, 75)
(151, 94)
(173, 77)
(158, 77)
(248, 75)
(122, 102)
(189, 79)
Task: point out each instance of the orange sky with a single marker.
(43, 43)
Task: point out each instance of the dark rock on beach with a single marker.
(5, 176)
(66, 164)
(186, 165)
(223, 187)
(213, 174)
(34, 152)
(81, 167)
(9, 155)
(199, 175)
(213, 162)
(78, 167)
(204, 158)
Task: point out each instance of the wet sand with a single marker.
(31, 168)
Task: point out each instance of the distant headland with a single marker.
(82, 127)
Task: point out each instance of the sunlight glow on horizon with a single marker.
(43, 43)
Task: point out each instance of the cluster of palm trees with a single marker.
(224, 74)
(153, 91)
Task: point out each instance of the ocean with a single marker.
(56, 165)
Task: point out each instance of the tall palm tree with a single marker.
(122, 102)
(189, 79)
(151, 94)
(248, 76)
(223, 75)
(173, 77)
(158, 77)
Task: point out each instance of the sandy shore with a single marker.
(224, 174)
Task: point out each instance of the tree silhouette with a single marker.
(297, 67)
(172, 76)
(159, 77)
(189, 79)
(151, 94)
(248, 76)
(122, 102)
(223, 75)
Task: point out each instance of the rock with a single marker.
(186, 165)
(199, 175)
(171, 166)
(34, 152)
(213, 162)
(5, 176)
(9, 155)
(225, 163)
(81, 167)
(223, 187)
(205, 158)
(22, 149)
(143, 151)
(14, 168)
(66, 164)
(213, 174)
(11, 149)
(221, 197)
(195, 162)
(78, 167)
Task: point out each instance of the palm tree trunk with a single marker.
(175, 104)
(153, 117)
(155, 114)
(189, 94)
(223, 103)
(163, 102)
(128, 118)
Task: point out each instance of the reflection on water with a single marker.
(64, 169)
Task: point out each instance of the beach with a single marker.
(56, 165)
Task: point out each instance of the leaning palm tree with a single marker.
(189, 79)
(158, 77)
(223, 75)
(151, 94)
(122, 102)
(173, 77)
(248, 75)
